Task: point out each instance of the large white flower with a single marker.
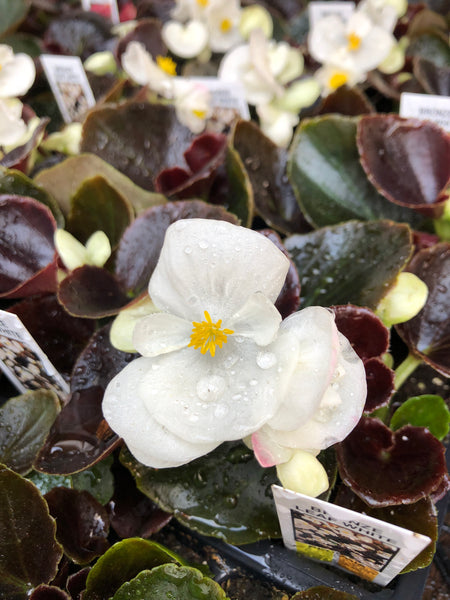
(212, 369)
(17, 72)
(356, 46)
(217, 366)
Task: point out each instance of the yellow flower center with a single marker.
(337, 79)
(167, 65)
(201, 114)
(207, 335)
(225, 25)
(203, 3)
(354, 41)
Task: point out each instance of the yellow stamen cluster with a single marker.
(203, 3)
(207, 335)
(225, 25)
(337, 79)
(167, 65)
(201, 114)
(354, 41)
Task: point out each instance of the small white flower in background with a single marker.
(67, 140)
(217, 366)
(254, 17)
(276, 124)
(12, 126)
(17, 72)
(101, 63)
(186, 40)
(331, 77)
(192, 101)
(222, 20)
(384, 13)
(73, 254)
(353, 47)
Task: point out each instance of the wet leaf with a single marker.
(82, 523)
(24, 424)
(407, 160)
(428, 411)
(78, 33)
(380, 384)
(321, 592)
(29, 551)
(122, 562)
(420, 517)
(385, 468)
(431, 47)
(265, 164)
(225, 493)
(61, 336)
(141, 243)
(28, 263)
(48, 592)
(365, 331)
(63, 180)
(137, 138)
(91, 292)
(328, 179)
(13, 13)
(428, 333)
(79, 438)
(240, 197)
(98, 206)
(171, 581)
(355, 262)
(45, 482)
(97, 480)
(76, 583)
(15, 182)
(434, 79)
(346, 101)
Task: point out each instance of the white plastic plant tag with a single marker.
(23, 361)
(69, 84)
(319, 10)
(372, 549)
(426, 106)
(106, 8)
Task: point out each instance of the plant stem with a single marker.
(405, 369)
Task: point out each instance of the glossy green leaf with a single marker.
(98, 480)
(328, 179)
(240, 192)
(225, 493)
(45, 482)
(122, 562)
(355, 262)
(63, 180)
(428, 411)
(24, 424)
(95, 206)
(432, 48)
(12, 12)
(29, 552)
(16, 182)
(171, 582)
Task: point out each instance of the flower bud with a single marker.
(303, 474)
(403, 301)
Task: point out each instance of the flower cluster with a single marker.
(218, 364)
(349, 50)
(17, 73)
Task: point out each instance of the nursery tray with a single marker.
(264, 568)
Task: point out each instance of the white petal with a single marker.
(277, 125)
(214, 266)
(140, 66)
(317, 336)
(375, 47)
(160, 333)
(70, 250)
(148, 441)
(327, 35)
(185, 40)
(98, 249)
(340, 408)
(258, 320)
(214, 399)
(12, 126)
(17, 76)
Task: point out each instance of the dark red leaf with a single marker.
(48, 592)
(380, 384)
(407, 160)
(385, 468)
(82, 523)
(346, 101)
(27, 251)
(76, 583)
(364, 330)
(148, 33)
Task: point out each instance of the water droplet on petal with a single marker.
(266, 360)
(203, 244)
(211, 388)
(187, 250)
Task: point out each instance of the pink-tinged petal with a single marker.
(267, 452)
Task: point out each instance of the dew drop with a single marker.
(211, 388)
(187, 250)
(266, 360)
(253, 382)
(203, 244)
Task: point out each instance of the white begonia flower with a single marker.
(384, 13)
(192, 101)
(222, 21)
(331, 77)
(263, 67)
(254, 17)
(216, 366)
(358, 46)
(95, 252)
(12, 126)
(17, 72)
(186, 40)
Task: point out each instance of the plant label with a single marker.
(106, 8)
(69, 85)
(426, 107)
(320, 10)
(23, 361)
(372, 549)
